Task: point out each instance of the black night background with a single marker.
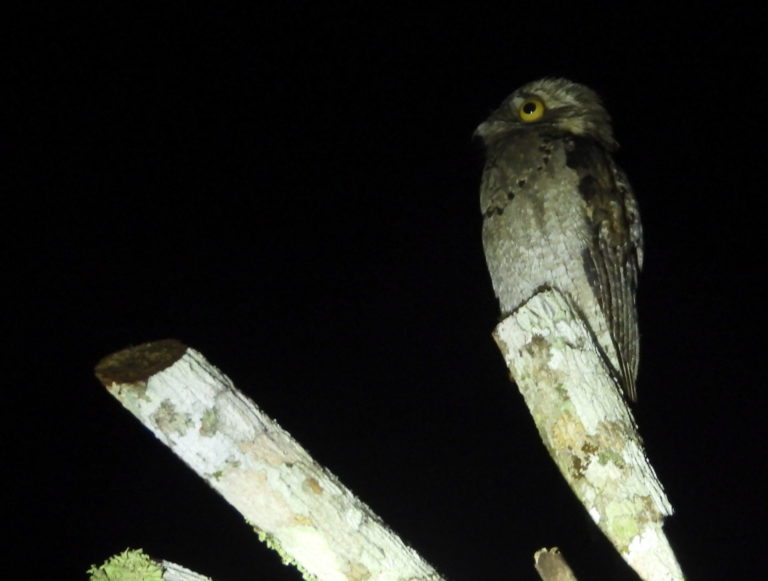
(292, 189)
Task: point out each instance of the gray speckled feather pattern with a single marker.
(559, 213)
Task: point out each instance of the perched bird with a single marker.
(559, 213)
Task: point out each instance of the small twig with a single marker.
(551, 565)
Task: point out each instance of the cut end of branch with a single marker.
(551, 565)
(139, 363)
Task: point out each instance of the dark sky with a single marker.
(292, 189)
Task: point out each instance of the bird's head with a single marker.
(556, 104)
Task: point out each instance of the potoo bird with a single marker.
(559, 213)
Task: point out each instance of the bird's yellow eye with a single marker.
(530, 110)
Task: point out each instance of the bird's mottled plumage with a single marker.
(559, 213)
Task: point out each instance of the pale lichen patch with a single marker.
(168, 420)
